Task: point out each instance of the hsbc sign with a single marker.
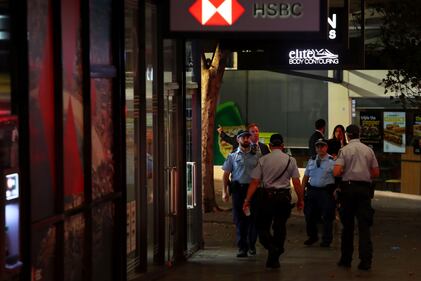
(245, 15)
(216, 12)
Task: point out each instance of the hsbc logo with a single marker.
(216, 12)
(245, 16)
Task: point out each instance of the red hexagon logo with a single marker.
(216, 12)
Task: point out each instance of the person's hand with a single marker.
(219, 130)
(246, 205)
(336, 194)
(300, 205)
(225, 196)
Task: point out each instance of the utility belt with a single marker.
(236, 186)
(350, 185)
(329, 188)
(278, 193)
(316, 188)
(360, 183)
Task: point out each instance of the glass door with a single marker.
(192, 187)
(172, 171)
(192, 149)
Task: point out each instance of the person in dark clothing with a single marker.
(357, 164)
(337, 141)
(258, 147)
(275, 170)
(318, 134)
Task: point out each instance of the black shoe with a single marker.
(345, 264)
(273, 264)
(273, 258)
(252, 251)
(242, 254)
(325, 244)
(310, 241)
(364, 266)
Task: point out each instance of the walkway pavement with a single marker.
(396, 238)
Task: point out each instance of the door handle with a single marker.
(194, 184)
(173, 191)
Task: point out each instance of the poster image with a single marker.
(394, 132)
(417, 134)
(370, 123)
(417, 126)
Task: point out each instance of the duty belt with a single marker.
(310, 187)
(361, 183)
(276, 190)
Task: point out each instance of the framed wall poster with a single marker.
(394, 139)
(370, 123)
(417, 134)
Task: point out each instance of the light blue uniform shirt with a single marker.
(322, 175)
(240, 165)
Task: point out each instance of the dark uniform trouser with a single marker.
(356, 202)
(319, 203)
(274, 210)
(245, 226)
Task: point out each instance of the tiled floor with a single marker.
(396, 238)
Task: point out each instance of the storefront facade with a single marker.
(107, 109)
(108, 142)
(163, 145)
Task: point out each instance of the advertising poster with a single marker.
(417, 126)
(370, 123)
(394, 132)
(228, 117)
(417, 134)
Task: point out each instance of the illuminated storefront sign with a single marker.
(332, 27)
(312, 56)
(245, 15)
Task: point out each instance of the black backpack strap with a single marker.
(283, 172)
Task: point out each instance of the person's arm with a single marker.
(305, 181)
(254, 184)
(226, 180)
(226, 138)
(375, 172)
(300, 193)
(338, 170)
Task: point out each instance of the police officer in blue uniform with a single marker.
(239, 165)
(357, 164)
(319, 202)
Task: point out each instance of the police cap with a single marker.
(321, 142)
(242, 133)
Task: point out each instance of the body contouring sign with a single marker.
(245, 15)
(312, 57)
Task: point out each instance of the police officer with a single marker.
(239, 165)
(319, 184)
(275, 171)
(357, 165)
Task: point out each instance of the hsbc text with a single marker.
(277, 10)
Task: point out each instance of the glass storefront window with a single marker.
(5, 106)
(132, 123)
